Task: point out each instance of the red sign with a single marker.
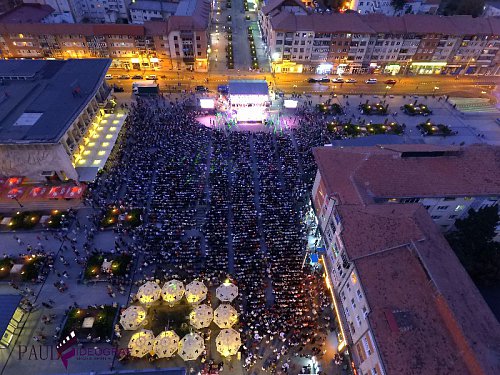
(37, 191)
(13, 181)
(57, 192)
(74, 192)
(15, 193)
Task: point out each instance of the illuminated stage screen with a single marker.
(251, 114)
(207, 103)
(288, 103)
(248, 99)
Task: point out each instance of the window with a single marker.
(360, 296)
(175, 37)
(448, 199)
(410, 200)
(347, 312)
(442, 208)
(366, 346)
(353, 330)
(343, 295)
(353, 304)
(452, 216)
(435, 217)
(198, 37)
(365, 312)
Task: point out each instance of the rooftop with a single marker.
(248, 87)
(9, 303)
(426, 315)
(353, 22)
(160, 6)
(27, 13)
(360, 174)
(41, 108)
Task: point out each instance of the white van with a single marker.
(371, 80)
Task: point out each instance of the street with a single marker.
(465, 86)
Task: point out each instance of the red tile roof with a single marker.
(276, 4)
(27, 13)
(71, 28)
(427, 317)
(353, 22)
(359, 174)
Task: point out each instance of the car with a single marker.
(124, 76)
(324, 80)
(390, 82)
(247, 17)
(137, 76)
(201, 89)
(152, 77)
(312, 80)
(108, 76)
(228, 18)
(338, 80)
(223, 89)
(118, 88)
(350, 80)
(371, 81)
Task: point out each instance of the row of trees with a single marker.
(473, 243)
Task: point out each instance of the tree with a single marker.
(466, 7)
(398, 4)
(474, 245)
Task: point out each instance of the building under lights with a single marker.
(249, 100)
(49, 112)
(404, 303)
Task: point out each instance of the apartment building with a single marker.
(49, 110)
(150, 10)
(385, 7)
(6, 5)
(398, 287)
(350, 43)
(181, 42)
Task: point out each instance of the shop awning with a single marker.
(13, 181)
(37, 191)
(57, 192)
(15, 193)
(74, 192)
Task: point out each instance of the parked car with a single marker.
(350, 80)
(152, 77)
(137, 76)
(338, 80)
(124, 76)
(108, 76)
(390, 82)
(371, 80)
(312, 80)
(118, 88)
(228, 18)
(201, 89)
(324, 80)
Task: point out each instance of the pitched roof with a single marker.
(72, 28)
(353, 22)
(27, 13)
(426, 314)
(276, 4)
(359, 174)
(191, 15)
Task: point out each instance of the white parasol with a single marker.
(166, 344)
(132, 317)
(226, 292)
(225, 316)
(201, 316)
(228, 342)
(196, 292)
(141, 343)
(191, 347)
(172, 291)
(149, 293)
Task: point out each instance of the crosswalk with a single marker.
(474, 105)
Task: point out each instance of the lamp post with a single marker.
(17, 200)
(467, 65)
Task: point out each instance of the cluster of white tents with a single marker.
(191, 346)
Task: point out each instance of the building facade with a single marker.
(48, 118)
(385, 7)
(181, 42)
(374, 43)
(398, 288)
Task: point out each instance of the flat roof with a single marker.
(9, 303)
(47, 97)
(248, 87)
